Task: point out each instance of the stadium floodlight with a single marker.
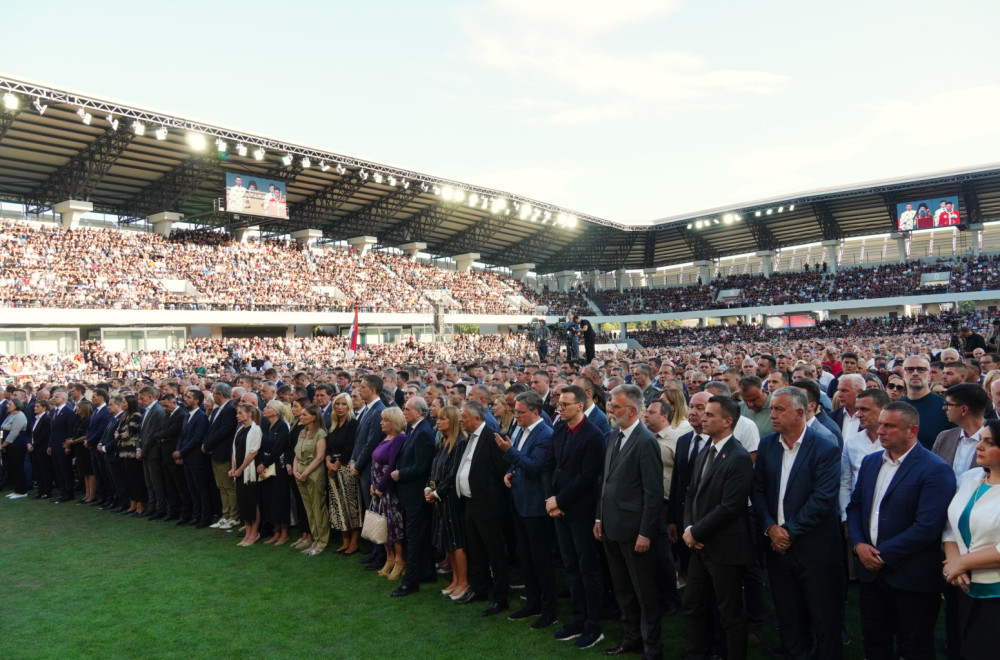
(220, 145)
(571, 220)
(39, 106)
(424, 187)
(138, 128)
(10, 101)
(392, 180)
(791, 207)
(447, 193)
(459, 195)
(287, 160)
(161, 133)
(241, 149)
(727, 219)
(757, 214)
(259, 153)
(406, 184)
(196, 141)
(690, 225)
(524, 211)
(715, 220)
(473, 200)
(770, 211)
(781, 209)
(378, 177)
(499, 204)
(341, 170)
(437, 190)
(306, 163)
(111, 120)
(537, 214)
(323, 166)
(85, 116)
(547, 216)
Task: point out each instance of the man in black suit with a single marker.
(540, 383)
(107, 447)
(218, 444)
(99, 421)
(717, 531)
(575, 461)
(627, 520)
(413, 469)
(189, 456)
(41, 461)
(688, 447)
(178, 495)
(153, 416)
(479, 483)
(368, 437)
(795, 498)
(324, 400)
(63, 422)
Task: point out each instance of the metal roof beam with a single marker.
(525, 250)
(701, 249)
(320, 207)
(7, 118)
(827, 223)
(373, 217)
(649, 250)
(762, 234)
(973, 211)
(585, 253)
(420, 225)
(472, 238)
(170, 190)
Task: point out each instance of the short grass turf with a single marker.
(76, 582)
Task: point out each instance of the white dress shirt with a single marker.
(525, 432)
(787, 462)
(964, 453)
(850, 424)
(625, 435)
(462, 476)
(856, 447)
(885, 475)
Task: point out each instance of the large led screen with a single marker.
(252, 195)
(928, 213)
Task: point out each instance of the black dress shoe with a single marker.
(118, 509)
(203, 524)
(169, 518)
(543, 622)
(624, 648)
(470, 597)
(57, 501)
(495, 608)
(157, 517)
(525, 613)
(670, 609)
(403, 590)
(183, 522)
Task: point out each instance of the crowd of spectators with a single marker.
(971, 274)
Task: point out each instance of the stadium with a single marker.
(147, 250)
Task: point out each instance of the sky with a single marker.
(632, 110)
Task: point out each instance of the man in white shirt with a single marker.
(869, 405)
(965, 406)
(658, 421)
(746, 431)
(848, 388)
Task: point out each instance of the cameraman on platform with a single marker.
(542, 335)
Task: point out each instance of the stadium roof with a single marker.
(57, 145)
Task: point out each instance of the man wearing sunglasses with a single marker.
(930, 406)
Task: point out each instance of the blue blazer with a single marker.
(913, 512)
(108, 439)
(62, 427)
(192, 437)
(414, 463)
(369, 435)
(99, 422)
(825, 432)
(811, 496)
(600, 420)
(823, 418)
(528, 467)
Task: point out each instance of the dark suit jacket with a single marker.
(600, 420)
(221, 431)
(62, 427)
(273, 444)
(833, 426)
(825, 432)
(486, 475)
(40, 434)
(680, 478)
(108, 439)
(946, 446)
(99, 422)
(811, 495)
(913, 512)
(399, 397)
(152, 421)
(548, 406)
(632, 491)
(575, 461)
(528, 470)
(369, 435)
(171, 425)
(716, 506)
(414, 463)
(192, 436)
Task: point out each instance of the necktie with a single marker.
(522, 437)
(697, 446)
(708, 461)
(618, 446)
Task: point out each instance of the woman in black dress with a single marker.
(77, 443)
(344, 494)
(246, 445)
(126, 442)
(275, 495)
(448, 528)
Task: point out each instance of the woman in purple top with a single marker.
(384, 499)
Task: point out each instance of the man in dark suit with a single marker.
(99, 421)
(479, 483)
(218, 444)
(148, 452)
(107, 447)
(627, 520)
(717, 531)
(369, 435)
(796, 483)
(41, 461)
(575, 461)
(178, 495)
(897, 511)
(830, 430)
(189, 456)
(689, 446)
(63, 422)
(413, 469)
(527, 452)
(324, 400)
(540, 383)
(590, 409)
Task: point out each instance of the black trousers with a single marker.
(485, 547)
(534, 551)
(710, 584)
(807, 604)
(178, 493)
(897, 623)
(116, 468)
(543, 350)
(198, 476)
(952, 623)
(632, 577)
(419, 554)
(105, 485)
(156, 485)
(582, 563)
(666, 574)
(41, 467)
(979, 618)
(13, 460)
(62, 472)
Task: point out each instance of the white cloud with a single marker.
(549, 184)
(945, 118)
(590, 114)
(585, 16)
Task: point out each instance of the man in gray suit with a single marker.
(627, 519)
(369, 435)
(148, 452)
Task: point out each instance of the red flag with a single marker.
(354, 336)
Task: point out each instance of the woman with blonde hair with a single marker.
(447, 525)
(275, 495)
(246, 445)
(344, 494)
(309, 453)
(504, 415)
(678, 419)
(383, 494)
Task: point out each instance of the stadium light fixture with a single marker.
(690, 225)
(437, 190)
(525, 211)
(424, 187)
(571, 220)
(323, 166)
(459, 195)
(10, 101)
(791, 207)
(39, 106)
(221, 145)
(259, 153)
(196, 141)
(537, 214)
(447, 193)
(341, 170)
(138, 128)
(392, 180)
(473, 200)
(781, 209)
(406, 184)
(161, 133)
(306, 163)
(111, 120)
(499, 204)
(241, 149)
(715, 220)
(85, 116)
(770, 211)
(757, 214)
(287, 160)
(378, 177)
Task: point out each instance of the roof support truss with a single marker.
(827, 224)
